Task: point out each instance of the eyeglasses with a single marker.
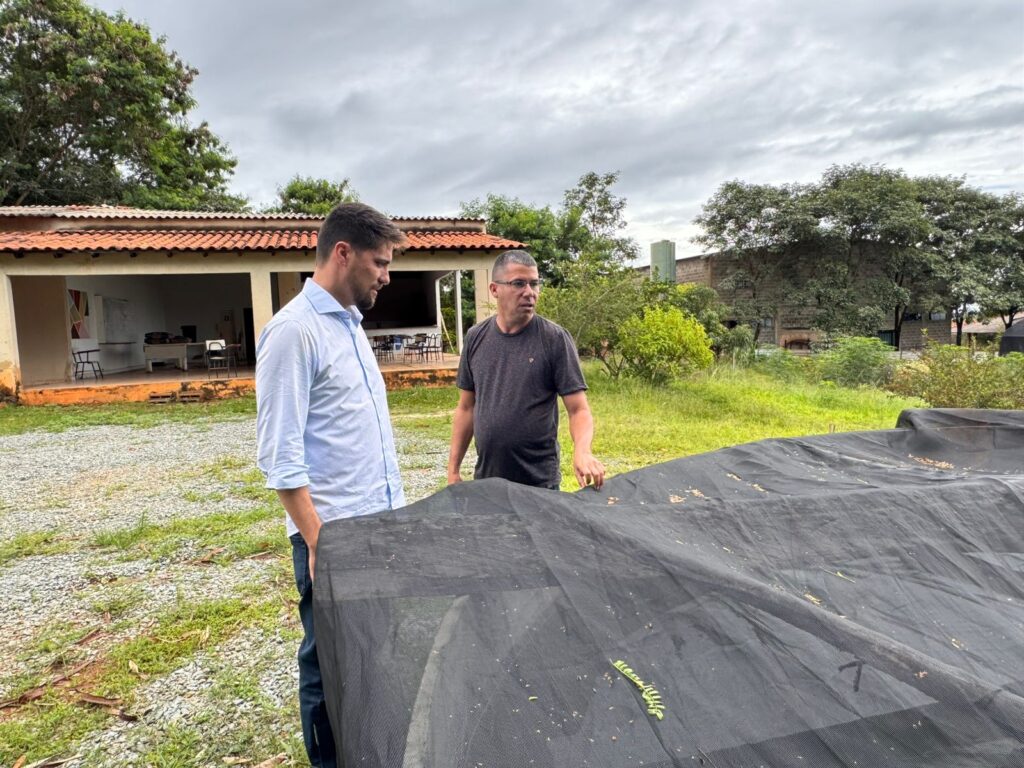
(520, 284)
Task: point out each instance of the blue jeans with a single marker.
(316, 727)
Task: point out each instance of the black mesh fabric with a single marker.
(842, 600)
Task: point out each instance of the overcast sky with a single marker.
(425, 104)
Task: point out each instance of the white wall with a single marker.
(202, 301)
(144, 306)
(158, 303)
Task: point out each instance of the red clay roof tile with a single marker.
(125, 212)
(223, 240)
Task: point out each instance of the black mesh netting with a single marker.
(843, 600)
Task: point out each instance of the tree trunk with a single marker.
(897, 326)
(959, 331)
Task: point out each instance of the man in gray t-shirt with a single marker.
(514, 366)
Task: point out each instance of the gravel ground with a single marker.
(99, 479)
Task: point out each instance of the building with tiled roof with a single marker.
(103, 277)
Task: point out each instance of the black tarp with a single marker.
(842, 600)
(1012, 340)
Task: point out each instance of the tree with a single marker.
(538, 227)
(94, 110)
(874, 226)
(757, 228)
(593, 309)
(967, 227)
(592, 220)
(586, 230)
(1005, 294)
(317, 197)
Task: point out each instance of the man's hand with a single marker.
(311, 546)
(299, 505)
(462, 433)
(589, 471)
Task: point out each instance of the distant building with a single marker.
(103, 279)
(791, 326)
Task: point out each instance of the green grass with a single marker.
(15, 419)
(424, 411)
(32, 543)
(53, 724)
(240, 533)
(118, 601)
(637, 425)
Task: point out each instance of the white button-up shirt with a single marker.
(321, 410)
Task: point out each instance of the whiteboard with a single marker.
(117, 324)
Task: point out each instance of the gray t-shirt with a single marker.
(517, 379)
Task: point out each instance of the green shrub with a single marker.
(857, 361)
(664, 343)
(948, 376)
(782, 364)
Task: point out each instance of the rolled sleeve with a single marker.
(284, 372)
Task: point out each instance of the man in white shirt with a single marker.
(323, 428)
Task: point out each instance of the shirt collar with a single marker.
(325, 303)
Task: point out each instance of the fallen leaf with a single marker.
(20, 762)
(91, 636)
(208, 557)
(120, 713)
(99, 701)
(235, 760)
(25, 698)
(812, 598)
(270, 762)
(53, 762)
(133, 667)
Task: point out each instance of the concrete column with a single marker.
(10, 367)
(458, 311)
(289, 285)
(481, 290)
(262, 299)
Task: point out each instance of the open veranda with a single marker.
(149, 609)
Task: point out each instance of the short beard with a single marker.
(366, 302)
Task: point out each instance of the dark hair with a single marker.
(359, 225)
(521, 258)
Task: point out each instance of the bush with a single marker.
(782, 364)
(948, 376)
(857, 361)
(664, 343)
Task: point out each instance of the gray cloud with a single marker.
(424, 106)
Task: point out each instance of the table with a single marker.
(179, 352)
